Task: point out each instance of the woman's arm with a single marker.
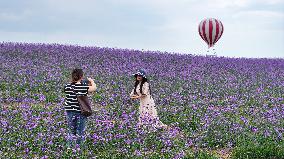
(93, 86)
(145, 89)
(132, 93)
(133, 96)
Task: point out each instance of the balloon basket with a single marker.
(211, 52)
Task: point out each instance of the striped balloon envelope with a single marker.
(210, 30)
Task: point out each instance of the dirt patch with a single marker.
(223, 153)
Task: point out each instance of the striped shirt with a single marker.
(72, 90)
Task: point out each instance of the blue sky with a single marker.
(252, 28)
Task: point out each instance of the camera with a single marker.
(86, 82)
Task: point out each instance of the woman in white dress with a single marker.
(148, 115)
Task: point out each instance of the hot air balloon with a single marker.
(210, 30)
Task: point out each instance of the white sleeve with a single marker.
(132, 92)
(145, 88)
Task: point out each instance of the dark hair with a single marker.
(77, 74)
(141, 85)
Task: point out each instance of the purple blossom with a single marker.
(201, 98)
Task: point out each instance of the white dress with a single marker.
(147, 111)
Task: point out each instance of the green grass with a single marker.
(270, 151)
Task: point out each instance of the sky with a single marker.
(252, 28)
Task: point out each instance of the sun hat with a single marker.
(140, 72)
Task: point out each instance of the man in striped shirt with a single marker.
(76, 121)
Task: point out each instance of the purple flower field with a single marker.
(211, 103)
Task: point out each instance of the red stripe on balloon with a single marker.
(203, 32)
(210, 33)
(199, 30)
(217, 31)
(222, 28)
